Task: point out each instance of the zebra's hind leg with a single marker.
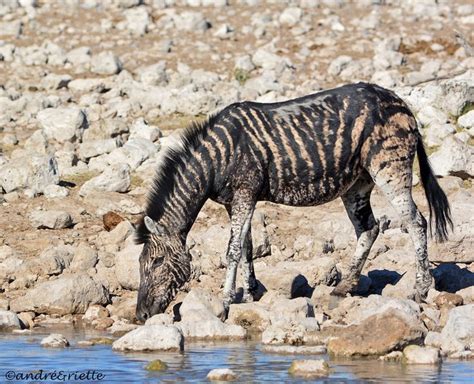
(248, 273)
(357, 203)
(399, 194)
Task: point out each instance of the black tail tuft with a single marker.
(437, 200)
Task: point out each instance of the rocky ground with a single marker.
(91, 91)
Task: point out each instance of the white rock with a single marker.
(414, 354)
(65, 295)
(79, 56)
(11, 28)
(310, 368)
(127, 266)
(200, 304)
(55, 340)
(211, 329)
(95, 312)
(160, 319)
(55, 192)
(338, 64)
(6, 52)
(291, 16)
(151, 338)
(134, 152)
(154, 74)
(244, 63)
(458, 333)
(84, 259)
(115, 178)
(9, 320)
(62, 124)
(137, 20)
(88, 149)
(222, 374)
(106, 63)
(51, 219)
(190, 21)
(87, 85)
(54, 81)
(268, 60)
(34, 172)
(453, 158)
(466, 121)
(141, 129)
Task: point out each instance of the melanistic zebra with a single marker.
(301, 152)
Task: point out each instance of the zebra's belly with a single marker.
(308, 193)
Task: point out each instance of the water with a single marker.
(23, 354)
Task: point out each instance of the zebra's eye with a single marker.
(158, 261)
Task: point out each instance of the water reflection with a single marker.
(24, 354)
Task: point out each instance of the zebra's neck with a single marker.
(182, 188)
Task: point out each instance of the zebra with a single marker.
(302, 152)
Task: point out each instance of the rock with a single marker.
(62, 124)
(66, 295)
(54, 81)
(291, 16)
(52, 261)
(55, 192)
(267, 60)
(190, 21)
(455, 95)
(376, 335)
(55, 340)
(115, 178)
(51, 219)
(141, 129)
(133, 153)
(303, 331)
(338, 64)
(309, 368)
(154, 74)
(467, 294)
(33, 172)
(392, 356)
(79, 57)
(156, 365)
(211, 329)
(414, 354)
(453, 158)
(9, 320)
(250, 316)
(284, 309)
(199, 304)
(111, 220)
(137, 20)
(458, 333)
(160, 319)
(84, 259)
(448, 299)
(283, 278)
(295, 350)
(466, 121)
(106, 63)
(95, 312)
(27, 319)
(127, 266)
(120, 327)
(95, 148)
(11, 28)
(222, 374)
(151, 338)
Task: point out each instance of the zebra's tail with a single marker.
(437, 200)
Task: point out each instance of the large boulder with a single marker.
(53, 219)
(458, 333)
(376, 335)
(151, 338)
(201, 305)
(34, 172)
(453, 158)
(211, 329)
(65, 295)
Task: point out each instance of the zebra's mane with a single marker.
(174, 158)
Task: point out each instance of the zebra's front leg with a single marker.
(248, 273)
(241, 216)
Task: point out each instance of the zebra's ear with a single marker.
(153, 227)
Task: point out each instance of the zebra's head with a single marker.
(164, 268)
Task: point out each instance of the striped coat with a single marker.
(301, 152)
